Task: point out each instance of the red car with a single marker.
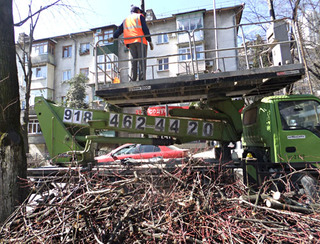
(138, 151)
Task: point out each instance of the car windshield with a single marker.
(125, 150)
(173, 147)
(300, 115)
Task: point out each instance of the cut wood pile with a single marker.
(184, 206)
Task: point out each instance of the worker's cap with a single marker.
(134, 9)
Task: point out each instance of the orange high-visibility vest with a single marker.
(132, 27)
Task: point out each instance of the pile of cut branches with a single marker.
(184, 206)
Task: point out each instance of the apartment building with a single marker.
(178, 40)
(309, 23)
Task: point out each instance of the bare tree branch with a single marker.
(35, 13)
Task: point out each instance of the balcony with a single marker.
(183, 38)
(43, 59)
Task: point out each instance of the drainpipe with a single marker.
(75, 55)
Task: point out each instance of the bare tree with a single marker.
(25, 61)
(305, 15)
(12, 154)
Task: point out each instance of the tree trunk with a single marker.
(13, 165)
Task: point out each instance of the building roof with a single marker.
(238, 9)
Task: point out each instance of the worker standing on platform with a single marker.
(136, 37)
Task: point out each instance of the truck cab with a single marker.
(283, 129)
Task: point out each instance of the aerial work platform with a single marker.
(261, 81)
(242, 69)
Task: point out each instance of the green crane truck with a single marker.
(277, 132)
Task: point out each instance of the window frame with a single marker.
(163, 39)
(86, 73)
(163, 64)
(67, 51)
(40, 48)
(84, 48)
(38, 72)
(182, 25)
(200, 56)
(250, 116)
(68, 71)
(34, 127)
(104, 35)
(300, 114)
(63, 100)
(148, 149)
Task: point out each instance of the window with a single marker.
(108, 62)
(66, 75)
(85, 72)
(126, 150)
(163, 38)
(149, 148)
(112, 62)
(298, 115)
(190, 22)
(104, 35)
(63, 100)
(51, 48)
(250, 116)
(23, 105)
(101, 63)
(84, 49)
(199, 50)
(185, 53)
(40, 48)
(66, 51)
(163, 64)
(38, 72)
(34, 127)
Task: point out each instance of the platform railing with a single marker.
(241, 52)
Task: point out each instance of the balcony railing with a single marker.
(43, 59)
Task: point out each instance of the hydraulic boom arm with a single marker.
(69, 129)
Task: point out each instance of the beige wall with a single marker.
(73, 63)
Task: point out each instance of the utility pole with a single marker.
(271, 10)
(142, 7)
(215, 34)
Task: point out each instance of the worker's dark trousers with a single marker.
(138, 51)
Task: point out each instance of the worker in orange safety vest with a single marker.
(136, 37)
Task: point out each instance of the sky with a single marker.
(82, 15)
